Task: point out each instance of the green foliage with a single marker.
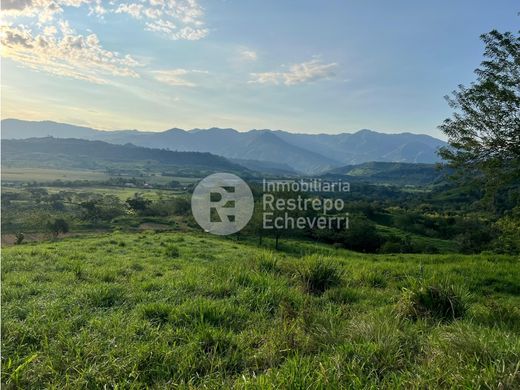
(484, 132)
(58, 226)
(508, 240)
(19, 238)
(138, 204)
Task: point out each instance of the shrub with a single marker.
(19, 238)
(59, 225)
(320, 275)
(441, 301)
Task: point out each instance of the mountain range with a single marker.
(281, 150)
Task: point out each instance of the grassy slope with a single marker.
(443, 246)
(167, 309)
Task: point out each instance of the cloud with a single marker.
(248, 55)
(176, 77)
(45, 10)
(298, 73)
(36, 34)
(65, 53)
(174, 19)
(133, 10)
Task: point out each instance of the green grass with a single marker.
(42, 175)
(123, 193)
(15, 174)
(443, 246)
(173, 310)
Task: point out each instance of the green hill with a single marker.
(69, 153)
(390, 173)
(170, 310)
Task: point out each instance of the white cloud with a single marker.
(298, 73)
(65, 53)
(248, 55)
(175, 19)
(44, 10)
(133, 10)
(48, 43)
(176, 77)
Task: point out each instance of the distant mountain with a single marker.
(386, 173)
(68, 153)
(306, 153)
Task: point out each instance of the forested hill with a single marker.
(391, 173)
(77, 153)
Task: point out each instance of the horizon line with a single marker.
(220, 128)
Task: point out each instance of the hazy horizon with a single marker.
(353, 131)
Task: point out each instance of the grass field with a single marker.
(10, 174)
(121, 192)
(185, 310)
(42, 175)
(443, 246)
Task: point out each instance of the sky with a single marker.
(295, 65)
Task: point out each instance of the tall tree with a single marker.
(484, 131)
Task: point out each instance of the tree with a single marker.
(484, 131)
(509, 227)
(138, 203)
(58, 226)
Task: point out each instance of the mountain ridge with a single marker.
(305, 153)
(74, 153)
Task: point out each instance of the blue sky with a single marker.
(302, 66)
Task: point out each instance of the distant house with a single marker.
(132, 185)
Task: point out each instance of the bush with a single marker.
(508, 240)
(19, 238)
(320, 275)
(59, 225)
(439, 301)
